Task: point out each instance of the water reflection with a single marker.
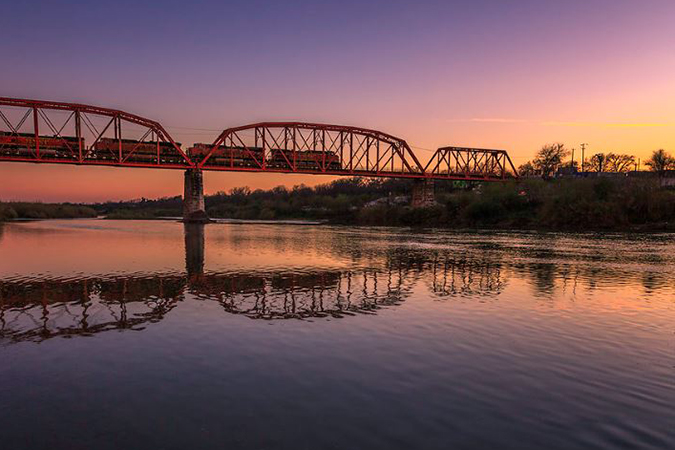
(462, 277)
(38, 309)
(45, 309)
(194, 248)
(35, 308)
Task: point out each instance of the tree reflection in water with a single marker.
(36, 310)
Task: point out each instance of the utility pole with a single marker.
(572, 164)
(583, 152)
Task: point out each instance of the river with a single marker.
(159, 335)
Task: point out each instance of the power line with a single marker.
(422, 148)
(195, 129)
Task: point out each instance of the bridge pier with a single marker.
(423, 194)
(193, 197)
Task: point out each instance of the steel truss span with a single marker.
(295, 147)
(470, 163)
(70, 133)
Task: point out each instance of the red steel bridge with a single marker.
(70, 133)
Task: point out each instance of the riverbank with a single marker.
(612, 204)
(35, 210)
(621, 204)
(568, 204)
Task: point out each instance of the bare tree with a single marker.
(619, 163)
(596, 163)
(661, 161)
(527, 170)
(571, 165)
(549, 158)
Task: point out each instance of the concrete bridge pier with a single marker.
(193, 197)
(423, 194)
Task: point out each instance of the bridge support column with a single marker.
(423, 194)
(193, 197)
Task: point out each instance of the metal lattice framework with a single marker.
(71, 133)
(458, 163)
(296, 147)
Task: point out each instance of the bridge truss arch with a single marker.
(473, 164)
(300, 147)
(72, 133)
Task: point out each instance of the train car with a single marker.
(227, 156)
(307, 159)
(51, 147)
(107, 149)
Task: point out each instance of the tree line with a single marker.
(552, 158)
(34, 210)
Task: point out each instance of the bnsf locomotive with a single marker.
(307, 159)
(23, 144)
(136, 151)
(253, 157)
(227, 156)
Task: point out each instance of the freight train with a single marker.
(23, 145)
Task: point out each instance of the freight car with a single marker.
(51, 147)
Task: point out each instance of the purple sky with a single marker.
(511, 75)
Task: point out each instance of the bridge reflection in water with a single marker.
(40, 309)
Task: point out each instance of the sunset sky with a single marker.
(497, 74)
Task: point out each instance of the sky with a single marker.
(478, 73)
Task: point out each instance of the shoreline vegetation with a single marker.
(38, 210)
(566, 204)
(553, 195)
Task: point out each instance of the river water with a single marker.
(157, 335)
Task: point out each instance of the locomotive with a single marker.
(140, 152)
(253, 157)
(106, 149)
(23, 144)
(306, 159)
(226, 156)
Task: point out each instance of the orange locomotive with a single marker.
(227, 156)
(23, 144)
(253, 157)
(136, 151)
(68, 147)
(306, 159)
